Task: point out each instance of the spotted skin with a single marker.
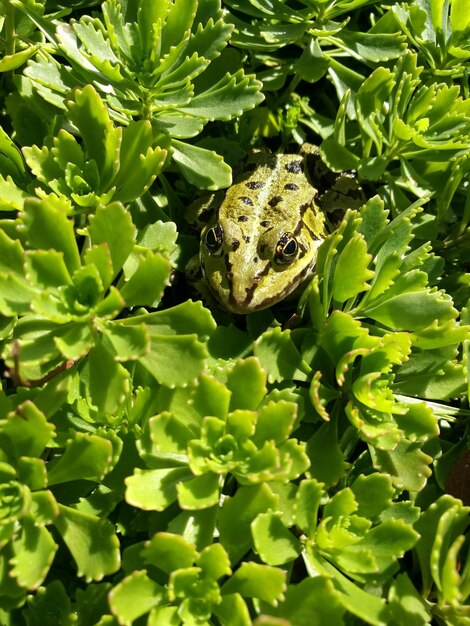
(272, 221)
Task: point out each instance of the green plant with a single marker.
(163, 461)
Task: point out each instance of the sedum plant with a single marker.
(102, 168)
(165, 462)
(60, 305)
(30, 511)
(160, 62)
(233, 431)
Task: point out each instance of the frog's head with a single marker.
(251, 265)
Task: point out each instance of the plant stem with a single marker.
(9, 29)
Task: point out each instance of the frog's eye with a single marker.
(286, 249)
(214, 239)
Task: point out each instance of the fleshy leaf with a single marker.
(147, 283)
(351, 272)
(312, 602)
(123, 595)
(26, 432)
(169, 552)
(253, 580)
(247, 382)
(113, 226)
(199, 493)
(47, 227)
(167, 350)
(102, 141)
(273, 542)
(236, 515)
(91, 541)
(154, 490)
(203, 168)
(33, 554)
(279, 356)
(109, 380)
(85, 457)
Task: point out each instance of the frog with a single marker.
(260, 242)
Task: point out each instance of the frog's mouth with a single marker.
(251, 298)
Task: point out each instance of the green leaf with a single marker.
(373, 494)
(413, 311)
(214, 562)
(169, 552)
(275, 422)
(336, 156)
(233, 611)
(87, 111)
(200, 492)
(14, 61)
(131, 181)
(12, 255)
(351, 272)
(134, 596)
(51, 603)
(32, 472)
(85, 457)
(279, 356)
(236, 515)
(230, 96)
(112, 225)
(46, 268)
(26, 431)
(74, 341)
(211, 397)
(11, 160)
(253, 580)
(407, 465)
(273, 542)
(368, 607)
(169, 437)
(439, 527)
(34, 552)
(15, 295)
(146, 284)
(307, 503)
(184, 319)
(407, 605)
(459, 18)
(154, 490)
(247, 382)
(44, 508)
(312, 602)
(100, 257)
(166, 351)
(312, 63)
(389, 541)
(109, 380)
(47, 227)
(201, 167)
(327, 460)
(91, 541)
(129, 342)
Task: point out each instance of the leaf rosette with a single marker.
(313, 40)
(193, 587)
(28, 508)
(438, 30)
(164, 62)
(400, 119)
(390, 343)
(64, 300)
(111, 163)
(245, 438)
(14, 502)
